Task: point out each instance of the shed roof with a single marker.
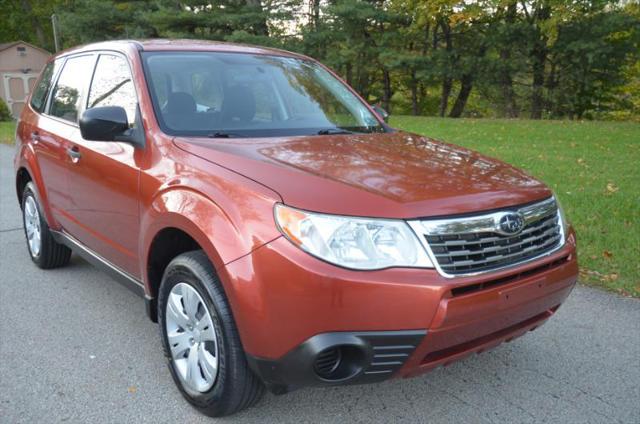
(5, 46)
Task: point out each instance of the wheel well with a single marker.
(167, 244)
(22, 178)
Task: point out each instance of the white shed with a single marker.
(20, 64)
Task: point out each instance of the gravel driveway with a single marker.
(76, 346)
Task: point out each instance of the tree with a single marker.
(590, 56)
(28, 20)
(86, 21)
(511, 58)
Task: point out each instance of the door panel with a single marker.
(103, 205)
(49, 140)
(103, 177)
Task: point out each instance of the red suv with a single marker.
(281, 233)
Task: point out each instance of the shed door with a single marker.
(17, 87)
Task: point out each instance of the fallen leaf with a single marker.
(612, 188)
(132, 389)
(609, 277)
(607, 254)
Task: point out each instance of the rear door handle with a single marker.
(74, 154)
(35, 137)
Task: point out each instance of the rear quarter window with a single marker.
(39, 96)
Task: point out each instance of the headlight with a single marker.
(564, 224)
(358, 243)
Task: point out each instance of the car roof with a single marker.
(176, 45)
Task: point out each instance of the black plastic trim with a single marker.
(382, 354)
(98, 261)
(151, 307)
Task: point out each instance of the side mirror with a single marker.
(381, 112)
(105, 123)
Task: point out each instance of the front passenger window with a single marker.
(67, 95)
(112, 85)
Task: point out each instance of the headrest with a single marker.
(180, 104)
(238, 104)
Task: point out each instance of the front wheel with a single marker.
(200, 339)
(45, 252)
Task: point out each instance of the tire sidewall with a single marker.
(181, 272)
(29, 191)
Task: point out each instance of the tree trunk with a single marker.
(447, 82)
(362, 82)
(539, 56)
(315, 13)
(506, 81)
(550, 86)
(386, 93)
(349, 74)
(539, 59)
(508, 93)
(466, 84)
(415, 107)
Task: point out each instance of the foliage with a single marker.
(5, 113)
(492, 58)
(592, 167)
(28, 20)
(97, 20)
(7, 132)
(589, 56)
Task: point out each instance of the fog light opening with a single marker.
(339, 363)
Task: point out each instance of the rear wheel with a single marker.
(45, 252)
(200, 339)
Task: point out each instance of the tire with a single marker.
(234, 386)
(44, 251)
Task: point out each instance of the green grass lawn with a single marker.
(594, 167)
(7, 132)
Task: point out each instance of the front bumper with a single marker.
(291, 309)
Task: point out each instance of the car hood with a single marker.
(394, 175)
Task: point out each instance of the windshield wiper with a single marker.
(332, 131)
(223, 134)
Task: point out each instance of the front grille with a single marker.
(475, 244)
(473, 288)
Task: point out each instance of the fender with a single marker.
(217, 232)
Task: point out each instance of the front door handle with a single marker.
(35, 137)
(74, 154)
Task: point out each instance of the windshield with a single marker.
(242, 95)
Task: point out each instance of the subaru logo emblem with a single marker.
(510, 224)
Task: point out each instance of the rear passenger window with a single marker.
(39, 96)
(112, 86)
(67, 96)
